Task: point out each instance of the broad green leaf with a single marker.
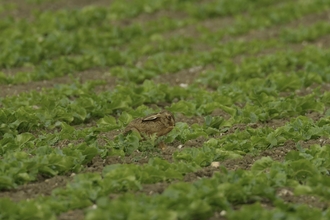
(262, 164)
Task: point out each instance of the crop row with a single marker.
(41, 157)
(75, 50)
(39, 111)
(312, 60)
(304, 170)
(46, 133)
(60, 27)
(76, 103)
(34, 111)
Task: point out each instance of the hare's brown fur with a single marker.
(159, 123)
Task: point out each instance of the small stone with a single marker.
(183, 85)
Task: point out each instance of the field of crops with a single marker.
(248, 82)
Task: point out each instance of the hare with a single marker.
(159, 123)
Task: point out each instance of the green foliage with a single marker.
(241, 87)
(256, 211)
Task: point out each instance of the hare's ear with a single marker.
(150, 118)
